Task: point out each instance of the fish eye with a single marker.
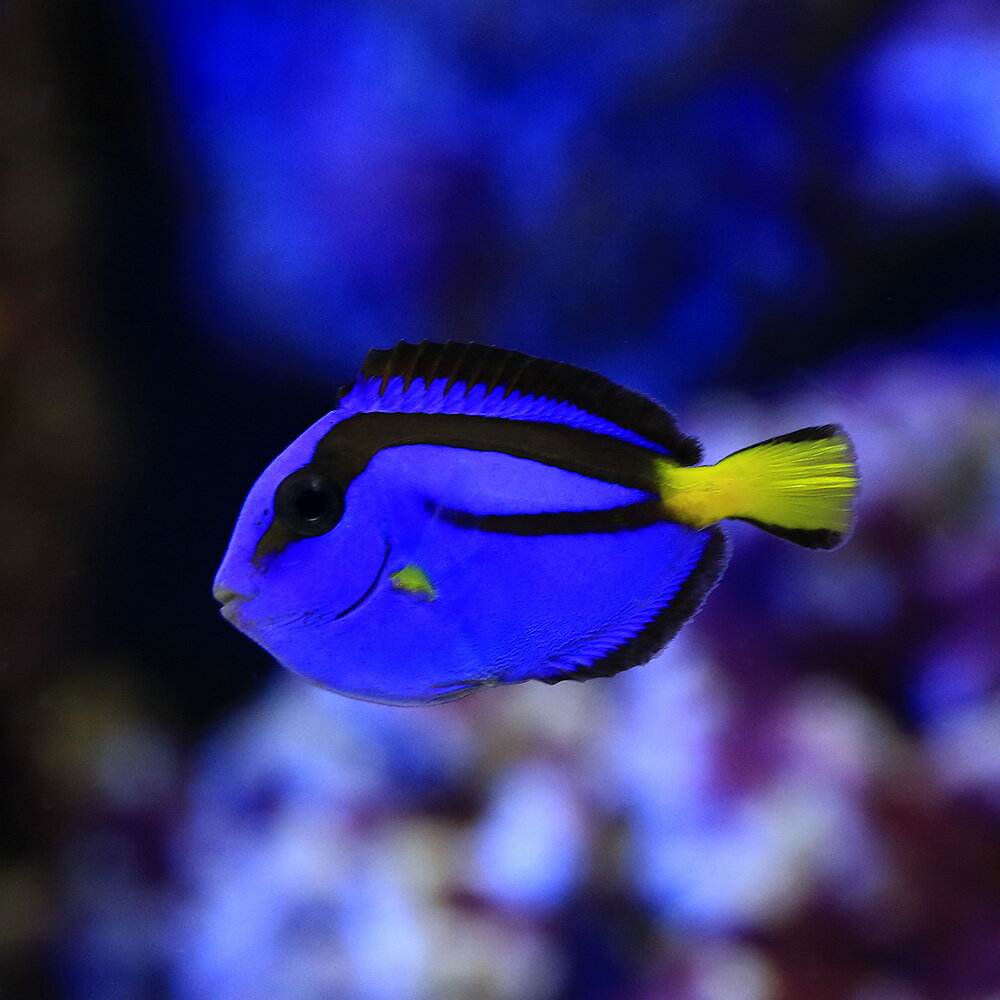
(308, 503)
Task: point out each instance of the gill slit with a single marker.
(368, 592)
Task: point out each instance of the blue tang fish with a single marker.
(469, 516)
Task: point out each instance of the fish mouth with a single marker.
(230, 600)
(368, 593)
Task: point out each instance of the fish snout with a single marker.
(229, 599)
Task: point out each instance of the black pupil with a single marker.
(307, 503)
(311, 503)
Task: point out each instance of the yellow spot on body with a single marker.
(411, 579)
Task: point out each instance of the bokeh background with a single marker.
(766, 213)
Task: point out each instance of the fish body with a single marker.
(468, 516)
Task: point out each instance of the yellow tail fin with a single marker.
(800, 486)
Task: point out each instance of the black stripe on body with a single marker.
(344, 452)
(667, 622)
(607, 521)
(476, 364)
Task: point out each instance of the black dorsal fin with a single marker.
(491, 367)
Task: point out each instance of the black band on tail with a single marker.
(809, 538)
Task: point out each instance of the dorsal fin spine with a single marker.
(522, 362)
(406, 364)
(411, 369)
(434, 365)
(454, 352)
(499, 374)
(387, 374)
(471, 375)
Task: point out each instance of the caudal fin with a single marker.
(800, 486)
